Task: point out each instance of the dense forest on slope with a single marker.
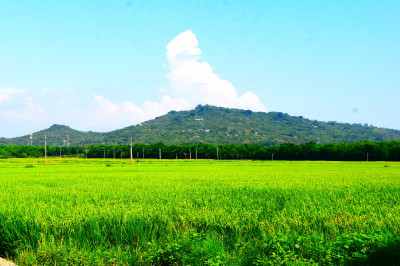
(358, 151)
(217, 125)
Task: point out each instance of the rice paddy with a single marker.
(198, 212)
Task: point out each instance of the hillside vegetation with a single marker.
(217, 125)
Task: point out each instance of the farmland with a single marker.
(107, 212)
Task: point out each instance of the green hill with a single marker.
(57, 135)
(217, 125)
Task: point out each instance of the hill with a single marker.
(218, 125)
(57, 135)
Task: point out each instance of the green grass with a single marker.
(107, 212)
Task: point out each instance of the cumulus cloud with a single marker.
(196, 82)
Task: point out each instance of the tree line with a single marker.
(358, 151)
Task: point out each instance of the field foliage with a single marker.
(204, 212)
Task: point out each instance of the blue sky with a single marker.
(103, 65)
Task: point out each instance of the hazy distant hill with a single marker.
(57, 135)
(217, 125)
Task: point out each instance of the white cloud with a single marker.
(29, 112)
(105, 115)
(127, 112)
(5, 93)
(196, 82)
(4, 97)
(183, 48)
(23, 106)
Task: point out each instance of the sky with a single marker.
(107, 64)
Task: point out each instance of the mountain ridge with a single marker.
(215, 125)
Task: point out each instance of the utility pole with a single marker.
(272, 157)
(45, 149)
(137, 157)
(190, 153)
(217, 154)
(131, 153)
(143, 154)
(114, 152)
(86, 154)
(60, 151)
(159, 153)
(196, 153)
(104, 154)
(176, 156)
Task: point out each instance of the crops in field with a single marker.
(108, 212)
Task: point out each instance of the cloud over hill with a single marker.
(195, 81)
(191, 81)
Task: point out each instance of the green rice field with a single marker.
(199, 212)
